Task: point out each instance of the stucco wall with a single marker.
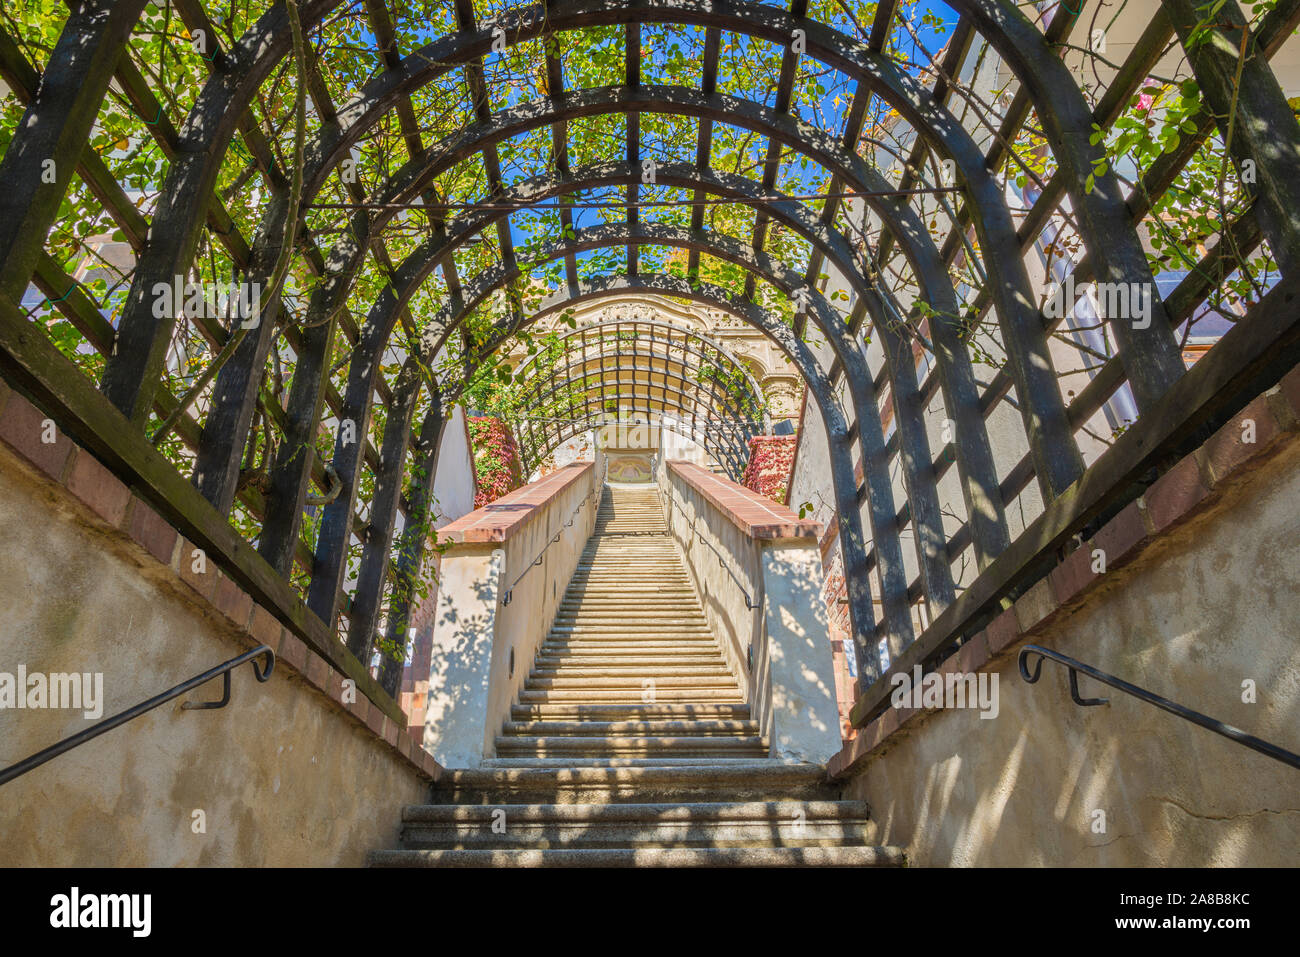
(283, 776)
(791, 686)
(693, 521)
(453, 485)
(1203, 609)
(472, 683)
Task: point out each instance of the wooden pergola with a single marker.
(640, 369)
(118, 416)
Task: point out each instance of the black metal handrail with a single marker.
(1205, 721)
(108, 724)
(750, 604)
(509, 592)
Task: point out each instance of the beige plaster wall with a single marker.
(1210, 606)
(791, 686)
(693, 521)
(471, 683)
(282, 775)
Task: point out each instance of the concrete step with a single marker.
(607, 696)
(618, 587)
(630, 631)
(624, 599)
(596, 660)
(632, 625)
(635, 712)
(695, 728)
(655, 670)
(609, 657)
(618, 683)
(646, 600)
(870, 856)
(631, 628)
(578, 761)
(741, 781)
(659, 617)
(612, 746)
(676, 614)
(633, 575)
(626, 647)
(615, 606)
(717, 824)
(674, 641)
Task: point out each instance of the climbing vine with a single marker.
(496, 459)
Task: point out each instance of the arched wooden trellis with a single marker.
(639, 367)
(115, 415)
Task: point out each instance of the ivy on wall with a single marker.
(771, 459)
(496, 458)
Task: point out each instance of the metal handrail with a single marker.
(1205, 721)
(750, 604)
(509, 592)
(108, 724)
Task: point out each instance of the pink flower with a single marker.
(1147, 98)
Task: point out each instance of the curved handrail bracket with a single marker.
(1038, 667)
(108, 724)
(1205, 721)
(262, 675)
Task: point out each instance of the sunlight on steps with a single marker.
(631, 743)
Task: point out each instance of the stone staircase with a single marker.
(630, 672)
(632, 743)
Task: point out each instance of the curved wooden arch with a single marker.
(81, 65)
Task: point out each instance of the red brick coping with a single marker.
(1187, 489)
(755, 515)
(112, 505)
(500, 520)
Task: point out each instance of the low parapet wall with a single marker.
(1192, 592)
(302, 770)
(503, 576)
(758, 572)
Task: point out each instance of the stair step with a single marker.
(616, 682)
(695, 728)
(656, 670)
(598, 600)
(714, 824)
(614, 696)
(658, 761)
(621, 659)
(662, 619)
(632, 628)
(741, 781)
(871, 856)
(677, 642)
(688, 650)
(511, 745)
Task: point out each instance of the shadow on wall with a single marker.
(1205, 617)
(797, 655)
(457, 672)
